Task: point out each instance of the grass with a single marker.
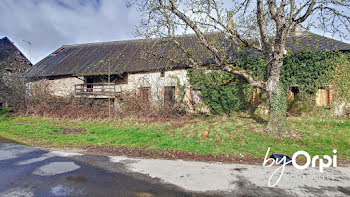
(227, 135)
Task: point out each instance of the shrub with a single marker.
(222, 92)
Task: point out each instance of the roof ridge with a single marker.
(130, 40)
(102, 42)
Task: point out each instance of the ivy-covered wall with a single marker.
(225, 93)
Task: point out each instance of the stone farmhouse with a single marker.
(12, 64)
(155, 74)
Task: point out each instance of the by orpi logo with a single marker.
(309, 160)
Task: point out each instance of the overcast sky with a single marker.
(49, 24)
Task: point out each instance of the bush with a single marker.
(133, 106)
(219, 93)
(4, 111)
(41, 102)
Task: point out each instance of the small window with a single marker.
(169, 95)
(162, 74)
(1, 105)
(294, 91)
(196, 96)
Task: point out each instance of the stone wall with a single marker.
(12, 64)
(61, 86)
(155, 81)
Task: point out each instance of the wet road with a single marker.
(28, 171)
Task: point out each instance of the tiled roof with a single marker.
(132, 56)
(11, 56)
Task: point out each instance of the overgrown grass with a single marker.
(227, 135)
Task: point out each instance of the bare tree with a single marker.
(261, 25)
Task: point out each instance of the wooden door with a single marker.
(145, 94)
(169, 95)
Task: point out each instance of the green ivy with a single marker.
(308, 70)
(341, 79)
(224, 92)
(220, 97)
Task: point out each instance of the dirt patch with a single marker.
(24, 122)
(78, 179)
(170, 154)
(239, 169)
(66, 131)
(8, 141)
(74, 130)
(190, 156)
(180, 124)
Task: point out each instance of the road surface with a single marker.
(29, 171)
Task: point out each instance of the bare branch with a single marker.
(308, 12)
(195, 28)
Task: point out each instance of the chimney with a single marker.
(298, 30)
(230, 20)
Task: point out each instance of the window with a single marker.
(1, 105)
(145, 94)
(294, 91)
(196, 96)
(162, 74)
(89, 83)
(169, 95)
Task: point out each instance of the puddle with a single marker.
(78, 179)
(5, 155)
(33, 160)
(61, 190)
(56, 168)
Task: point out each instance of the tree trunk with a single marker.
(277, 98)
(278, 110)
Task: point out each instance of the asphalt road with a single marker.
(29, 171)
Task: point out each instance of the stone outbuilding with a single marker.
(12, 64)
(155, 70)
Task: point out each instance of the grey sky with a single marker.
(48, 24)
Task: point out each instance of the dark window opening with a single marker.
(89, 83)
(1, 105)
(116, 79)
(169, 95)
(294, 91)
